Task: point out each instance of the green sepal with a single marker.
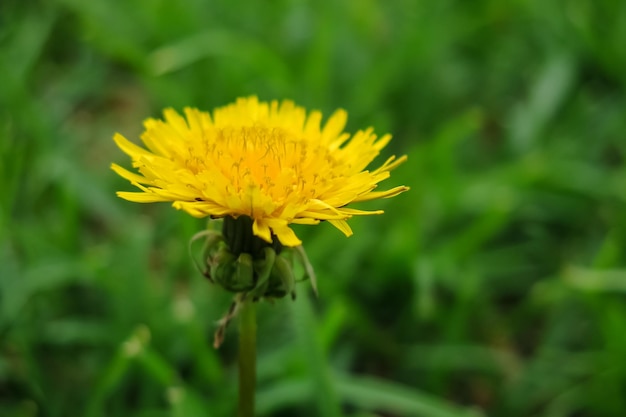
(243, 279)
(263, 269)
(282, 281)
(211, 240)
(223, 267)
(235, 274)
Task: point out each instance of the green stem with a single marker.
(247, 358)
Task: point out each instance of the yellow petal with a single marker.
(320, 215)
(141, 197)
(381, 194)
(130, 176)
(305, 220)
(128, 147)
(176, 120)
(390, 164)
(382, 142)
(312, 126)
(262, 230)
(202, 208)
(343, 226)
(199, 121)
(285, 235)
(334, 126)
(355, 212)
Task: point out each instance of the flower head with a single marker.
(272, 162)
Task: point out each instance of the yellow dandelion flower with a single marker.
(270, 161)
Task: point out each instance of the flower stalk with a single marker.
(247, 358)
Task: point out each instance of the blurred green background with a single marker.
(496, 286)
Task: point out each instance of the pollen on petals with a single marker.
(271, 161)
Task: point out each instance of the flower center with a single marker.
(264, 162)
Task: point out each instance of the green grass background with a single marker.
(495, 287)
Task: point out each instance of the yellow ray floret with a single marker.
(269, 161)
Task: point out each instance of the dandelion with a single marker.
(272, 162)
(261, 167)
